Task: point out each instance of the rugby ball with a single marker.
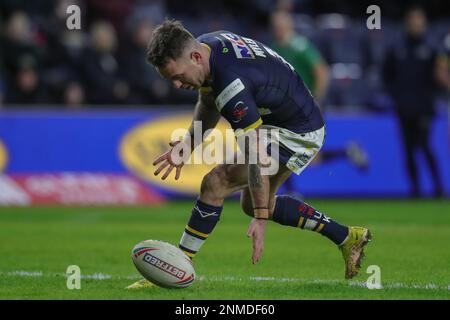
(163, 264)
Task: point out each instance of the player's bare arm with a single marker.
(259, 186)
(205, 112)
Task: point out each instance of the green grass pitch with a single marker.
(410, 245)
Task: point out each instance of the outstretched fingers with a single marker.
(160, 158)
(257, 249)
(165, 161)
(161, 167)
(177, 173)
(166, 174)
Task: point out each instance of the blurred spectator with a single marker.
(312, 68)
(74, 95)
(410, 79)
(150, 10)
(64, 49)
(21, 57)
(101, 67)
(2, 92)
(115, 12)
(443, 64)
(21, 60)
(27, 86)
(2, 83)
(36, 31)
(301, 54)
(343, 49)
(146, 85)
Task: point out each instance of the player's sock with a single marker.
(293, 212)
(202, 222)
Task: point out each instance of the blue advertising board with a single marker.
(127, 141)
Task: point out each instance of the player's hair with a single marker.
(168, 41)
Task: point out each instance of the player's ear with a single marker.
(196, 56)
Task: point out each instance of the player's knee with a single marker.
(214, 184)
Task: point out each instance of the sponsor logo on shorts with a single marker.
(301, 160)
(164, 266)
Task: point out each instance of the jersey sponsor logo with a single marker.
(241, 49)
(224, 46)
(228, 93)
(239, 112)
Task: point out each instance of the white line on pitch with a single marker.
(103, 276)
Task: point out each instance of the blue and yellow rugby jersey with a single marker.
(253, 85)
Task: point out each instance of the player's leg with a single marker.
(291, 211)
(275, 182)
(219, 183)
(294, 212)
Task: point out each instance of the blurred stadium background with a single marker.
(82, 116)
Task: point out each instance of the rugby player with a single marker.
(253, 88)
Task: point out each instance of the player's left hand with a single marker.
(165, 160)
(256, 230)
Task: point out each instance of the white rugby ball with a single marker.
(163, 264)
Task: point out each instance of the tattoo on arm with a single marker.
(254, 179)
(258, 183)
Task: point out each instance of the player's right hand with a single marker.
(166, 161)
(256, 231)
